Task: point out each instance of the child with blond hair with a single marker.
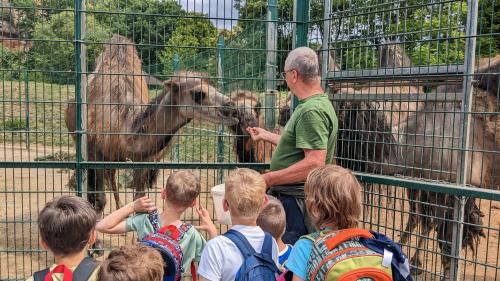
(245, 197)
(132, 263)
(179, 194)
(333, 200)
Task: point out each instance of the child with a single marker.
(272, 219)
(180, 193)
(132, 263)
(67, 229)
(245, 197)
(333, 200)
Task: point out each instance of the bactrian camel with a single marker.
(124, 125)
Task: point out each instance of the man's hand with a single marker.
(258, 134)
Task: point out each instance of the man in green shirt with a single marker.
(307, 142)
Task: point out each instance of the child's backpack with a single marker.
(256, 266)
(166, 240)
(81, 273)
(356, 254)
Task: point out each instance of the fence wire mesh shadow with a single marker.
(109, 107)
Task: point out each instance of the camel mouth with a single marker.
(228, 120)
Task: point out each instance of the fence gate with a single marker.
(117, 94)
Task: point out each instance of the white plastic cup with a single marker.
(218, 196)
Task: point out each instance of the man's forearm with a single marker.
(273, 138)
(295, 173)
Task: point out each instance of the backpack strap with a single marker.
(241, 242)
(345, 235)
(84, 269)
(81, 273)
(40, 275)
(154, 219)
(193, 271)
(267, 246)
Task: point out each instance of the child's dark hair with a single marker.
(272, 218)
(132, 263)
(66, 224)
(333, 197)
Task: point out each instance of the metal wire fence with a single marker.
(414, 84)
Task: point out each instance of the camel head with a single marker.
(196, 98)
(248, 109)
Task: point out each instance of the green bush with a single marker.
(13, 125)
(11, 63)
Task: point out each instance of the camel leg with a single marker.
(139, 181)
(98, 200)
(412, 219)
(426, 226)
(111, 174)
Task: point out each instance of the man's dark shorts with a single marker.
(292, 198)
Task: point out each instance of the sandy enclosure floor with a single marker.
(23, 192)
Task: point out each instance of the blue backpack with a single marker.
(381, 244)
(256, 266)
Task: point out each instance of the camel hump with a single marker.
(117, 39)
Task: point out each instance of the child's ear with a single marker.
(194, 203)
(164, 194)
(92, 238)
(266, 201)
(43, 245)
(225, 205)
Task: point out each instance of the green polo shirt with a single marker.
(314, 126)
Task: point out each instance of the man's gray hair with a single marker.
(305, 61)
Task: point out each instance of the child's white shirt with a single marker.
(221, 259)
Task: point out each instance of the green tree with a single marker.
(194, 40)
(149, 23)
(53, 50)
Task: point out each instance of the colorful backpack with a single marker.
(256, 266)
(355, 254)
(166, 240)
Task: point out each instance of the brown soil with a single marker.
(23, 192)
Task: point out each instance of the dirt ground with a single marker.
(23, 192)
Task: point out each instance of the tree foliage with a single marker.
(149, 23)
(193, 40)
(53, 50)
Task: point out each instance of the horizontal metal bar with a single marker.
(432, 72)
(397, 97)
(130, 165)
(433, 186)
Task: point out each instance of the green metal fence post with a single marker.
(271, 46)
(301, 20)
(27, 101)
(176, 66)
(220, 81)
(325, 44)
(469, 59)
(81, 96)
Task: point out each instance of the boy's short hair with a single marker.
(132, 263)
(333, 197)
(272, 218)
(66, 224)
(182, 188)
(245, 193)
